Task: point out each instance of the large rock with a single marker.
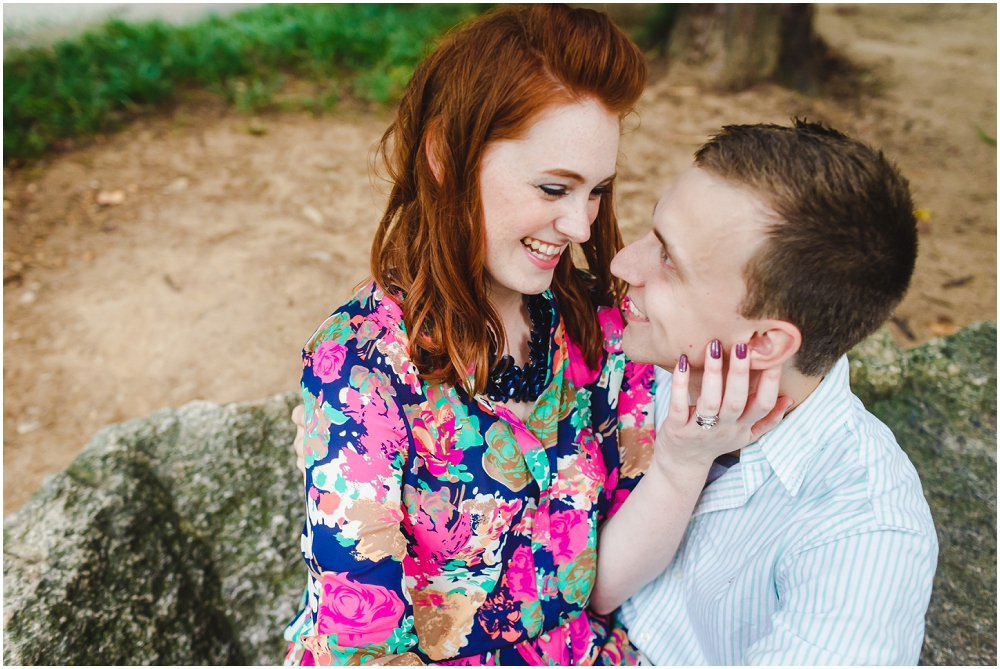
(173, 539)
(940, 400)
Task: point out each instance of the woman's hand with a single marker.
(683, 445)
(299, 418)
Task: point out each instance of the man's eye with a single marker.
(555, 191)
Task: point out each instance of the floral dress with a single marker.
(443, 526)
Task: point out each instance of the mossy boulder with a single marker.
(940, 400)
(174, 538)
(171, 539)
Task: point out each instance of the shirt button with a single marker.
(677, 574)
(644, 637)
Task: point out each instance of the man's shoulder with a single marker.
(861, 460)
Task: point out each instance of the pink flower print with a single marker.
(554, 647)
(568, 532)
(578, 372)
(327, 360)
(611, 327)
(360, 614)
(521, 575)
(581, 638)
(609, 489)
(636, 397)
(619, 499)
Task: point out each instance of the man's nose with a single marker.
(625, 265)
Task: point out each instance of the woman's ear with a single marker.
(774, 343)
(431, 153)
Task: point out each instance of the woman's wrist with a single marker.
(678, 470)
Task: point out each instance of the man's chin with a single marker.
(639, 351)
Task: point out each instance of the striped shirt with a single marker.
(817, 547)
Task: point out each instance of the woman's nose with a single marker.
(576, 221)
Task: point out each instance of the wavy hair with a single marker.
(488, 82)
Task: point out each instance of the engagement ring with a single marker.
(706, 422)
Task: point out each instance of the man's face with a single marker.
(686, 273)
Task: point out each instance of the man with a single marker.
(815, 545)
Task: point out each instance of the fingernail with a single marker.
(715, 349)
(741, 351)
(682, 364)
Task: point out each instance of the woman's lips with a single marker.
(632, 312)
(542, 254)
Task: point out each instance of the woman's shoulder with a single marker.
(369, 329)
(368, 306)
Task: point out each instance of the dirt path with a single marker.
(228, 247)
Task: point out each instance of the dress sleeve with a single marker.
(860, 599)
(634, 435)
(355, 450)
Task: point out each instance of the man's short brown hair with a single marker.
(840, 255)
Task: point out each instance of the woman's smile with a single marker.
(542, 254)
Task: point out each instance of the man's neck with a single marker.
(793, 384)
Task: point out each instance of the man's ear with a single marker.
(431, 152)
(773, 343)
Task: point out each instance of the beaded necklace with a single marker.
(524, 384)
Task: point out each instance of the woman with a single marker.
(470, 420)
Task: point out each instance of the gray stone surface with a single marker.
(173, 539)
(940, 400)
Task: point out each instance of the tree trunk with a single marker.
(734, 46)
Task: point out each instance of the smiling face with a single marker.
(686, 273)
(542, 191)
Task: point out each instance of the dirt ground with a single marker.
(222, 241)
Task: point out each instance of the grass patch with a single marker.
(95, 82)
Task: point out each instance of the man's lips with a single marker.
(632, 312)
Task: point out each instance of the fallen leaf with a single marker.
(955, 283)
(313, 214)
(256, 128)
(88, 255)
(923, 215)
(175, 186)
(943, 326)
(113, 197)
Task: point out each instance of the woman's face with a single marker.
(542, 192)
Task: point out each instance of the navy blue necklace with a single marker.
(524, 384)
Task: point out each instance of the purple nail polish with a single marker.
(741, 351)
(715, 349)
(682, 364)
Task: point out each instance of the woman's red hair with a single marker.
(488, 82)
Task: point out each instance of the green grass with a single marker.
(95, 82)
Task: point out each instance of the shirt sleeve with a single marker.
(860, 599)
(355, 449)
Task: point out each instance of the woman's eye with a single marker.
(600, 190)
(555, 191)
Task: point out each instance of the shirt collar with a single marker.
(790, 447)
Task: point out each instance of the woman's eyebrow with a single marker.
(570, 174)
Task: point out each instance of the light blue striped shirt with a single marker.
(816, 548)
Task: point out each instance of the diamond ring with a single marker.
(706, 422)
